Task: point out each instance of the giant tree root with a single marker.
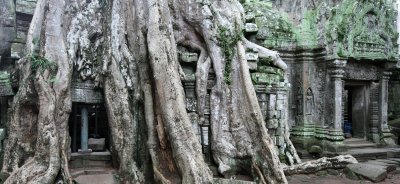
(321, 164)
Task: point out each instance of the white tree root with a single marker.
(265, 53)
(320, 164)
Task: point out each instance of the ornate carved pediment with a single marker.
(363, 30)
(367, 39)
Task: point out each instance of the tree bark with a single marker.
(133, 48)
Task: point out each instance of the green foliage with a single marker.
(359, 29)
(40, 64)
(307, 32)
(227, 41)
(275, 27)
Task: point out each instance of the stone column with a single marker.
(302, 134)
(384, 132)
(84, 129)
(335, 133)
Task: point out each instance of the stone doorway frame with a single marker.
(363, 89)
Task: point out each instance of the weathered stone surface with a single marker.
(25, 6)
(315, 149)
(387, 166)
(333, 172)
(272, 123)
(5, 84)
(94, 159)
(97, 144)
(322, 173)
(252, 65)
(188, 57)
(374, 173)
(250, 56)
(228, 181)
(17, 50)
(86, 93)
(251, 28)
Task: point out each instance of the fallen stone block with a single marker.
(375, 173)
(388, 167)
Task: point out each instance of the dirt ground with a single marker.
(393, 178)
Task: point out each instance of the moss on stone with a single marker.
(362, 30)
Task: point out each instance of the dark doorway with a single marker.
(355, 110)
(97, 126)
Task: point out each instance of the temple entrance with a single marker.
(355, 109)
(88, 128)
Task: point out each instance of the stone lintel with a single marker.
(86, 92)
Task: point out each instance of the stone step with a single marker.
(231, 181)
(91, 171)
(94, 159)
(389, 161)
(354, 140)
(94, 175)
(365, 154)
(361, 145)
(395, 159)
(96, 179)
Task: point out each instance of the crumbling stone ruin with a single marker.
(322, 71)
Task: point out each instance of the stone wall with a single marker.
(24, 10)
(394, 94)
(7, 26)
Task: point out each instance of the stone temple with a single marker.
(342, 82)
(341, 56)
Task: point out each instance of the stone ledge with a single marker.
(229, 181)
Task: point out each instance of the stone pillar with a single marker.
(84, 129)
(335, 133)
(384, 132)
(302, 134)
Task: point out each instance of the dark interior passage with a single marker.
(97, 126)
(355, 111)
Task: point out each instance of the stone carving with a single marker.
(309, 102)
(363, 30)
(361, 71)
(299, 100)
(86, 92)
